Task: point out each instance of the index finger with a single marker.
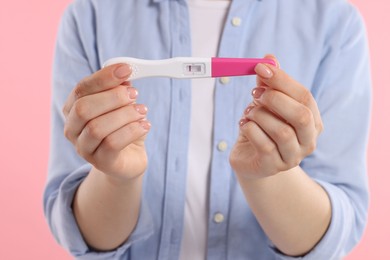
(278, 79)
(104, 79)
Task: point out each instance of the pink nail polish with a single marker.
(122, 71)
(145, 125)
(248, 109)
(141, 109)
(263, 71)
(257, 92)
(243, 121)
(133, 93)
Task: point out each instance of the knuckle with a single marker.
(81, 110)
(92, 129)
(284, 133)
(311, 147)
(82, 152)
(233, 161)
(65, 110)
(320, 127)
(79, 150)
(304, 117)
(306, 97)
(110, 143)
(268, 148)
(79, 89)
(67, 132)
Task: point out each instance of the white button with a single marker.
(222, 146)
(224, 80)
(236, 21)
(219, 218)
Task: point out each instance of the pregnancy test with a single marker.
(190, 67)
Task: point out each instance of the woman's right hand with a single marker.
(105, 124)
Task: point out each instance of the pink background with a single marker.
(27, 38)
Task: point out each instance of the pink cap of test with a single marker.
(221, 67)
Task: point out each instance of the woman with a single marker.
(160, 169)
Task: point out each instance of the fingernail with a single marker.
(122, 71)
(133, 93)
(145, 125)
(243, 121)
(248, 109)
(257, 92)
(263, 71)
(272, 57)
(141, 109)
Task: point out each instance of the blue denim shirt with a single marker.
(320, 43)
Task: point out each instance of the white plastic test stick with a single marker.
(189, 67)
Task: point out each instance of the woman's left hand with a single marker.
(279, 128)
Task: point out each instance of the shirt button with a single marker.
(219, 218)
(222, 146)
(224, 80)
(236, 21)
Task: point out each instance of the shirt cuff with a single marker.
(333, 243)
(66, 230)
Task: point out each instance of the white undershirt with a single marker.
(207, 18)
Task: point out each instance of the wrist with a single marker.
(115, 181)
(251, 176)
(263, 179)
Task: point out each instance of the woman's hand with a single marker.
(279, 128)
(105, 124)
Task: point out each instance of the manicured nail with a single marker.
(248, 109)
(257, 92)
(145, 125)
(243, 121)
(272, 57)
(133, 93)
(263, 71)
(141, 109)
(122, 71)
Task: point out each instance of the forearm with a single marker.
(107, 209)
(293, 210)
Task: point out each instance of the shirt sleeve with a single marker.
(75, 59)
(343, 92)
